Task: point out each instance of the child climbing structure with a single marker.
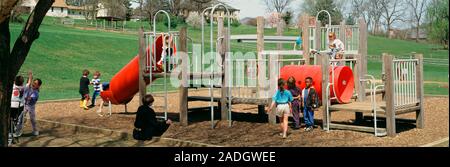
(144, 69)
(252, 80)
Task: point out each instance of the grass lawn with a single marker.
(62, 52)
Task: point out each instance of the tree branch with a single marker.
(29, 34)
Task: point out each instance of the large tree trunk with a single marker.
(10, 62)
(5, 82)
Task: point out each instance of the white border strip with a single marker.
(432, 144)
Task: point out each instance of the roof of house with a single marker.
(76, 7)
(60, 3)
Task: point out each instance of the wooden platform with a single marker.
(255, 101)
(365, 107)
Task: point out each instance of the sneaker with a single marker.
(10, 139)
(284, 136)
(35, 133)
(17, 134)
(309, 129)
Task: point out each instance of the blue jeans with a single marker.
(96, 93)
(308, 115)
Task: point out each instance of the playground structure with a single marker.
(254, 84)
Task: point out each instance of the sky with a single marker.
(254, 8)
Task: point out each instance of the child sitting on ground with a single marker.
(96, 85)
(84, 90)
(310, 101)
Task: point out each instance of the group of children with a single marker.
(84, 89)
(23, 102)
(294, 100)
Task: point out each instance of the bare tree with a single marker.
(174, 6)
(418, 9)
(198, 5)
(278, 6)
(360, 9)
(12, 59)
(115, 8)
(374, 14)
(90, 9)
(151, 7)
(392, 12)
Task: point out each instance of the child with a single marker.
(167, 58)
(337, 48)
(104, 86)
(31, 95)
(84, 89)
(17, 105)
(296, 93)
(309, 103)
(282, 99)
(96, 84)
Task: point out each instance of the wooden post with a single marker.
(357, 76)
(222, 49)
(363, 52)
(342, 32)
(142, 60)
(280, 30)
(260, 47)
(383, 76)
(359, 86)
(184, 77)
(419, 88)
(273, 78)
(325, 80)
(318, 40)
(389, 87)
(305, 30)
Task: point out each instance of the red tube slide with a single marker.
(343, 79)
(125, 84)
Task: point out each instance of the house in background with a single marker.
(221, 12)
(61, 9)
(58, 9)
(412, 34)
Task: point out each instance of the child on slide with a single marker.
(167, 57)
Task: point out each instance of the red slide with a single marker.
(125, 84)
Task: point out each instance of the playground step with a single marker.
(380, 131)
